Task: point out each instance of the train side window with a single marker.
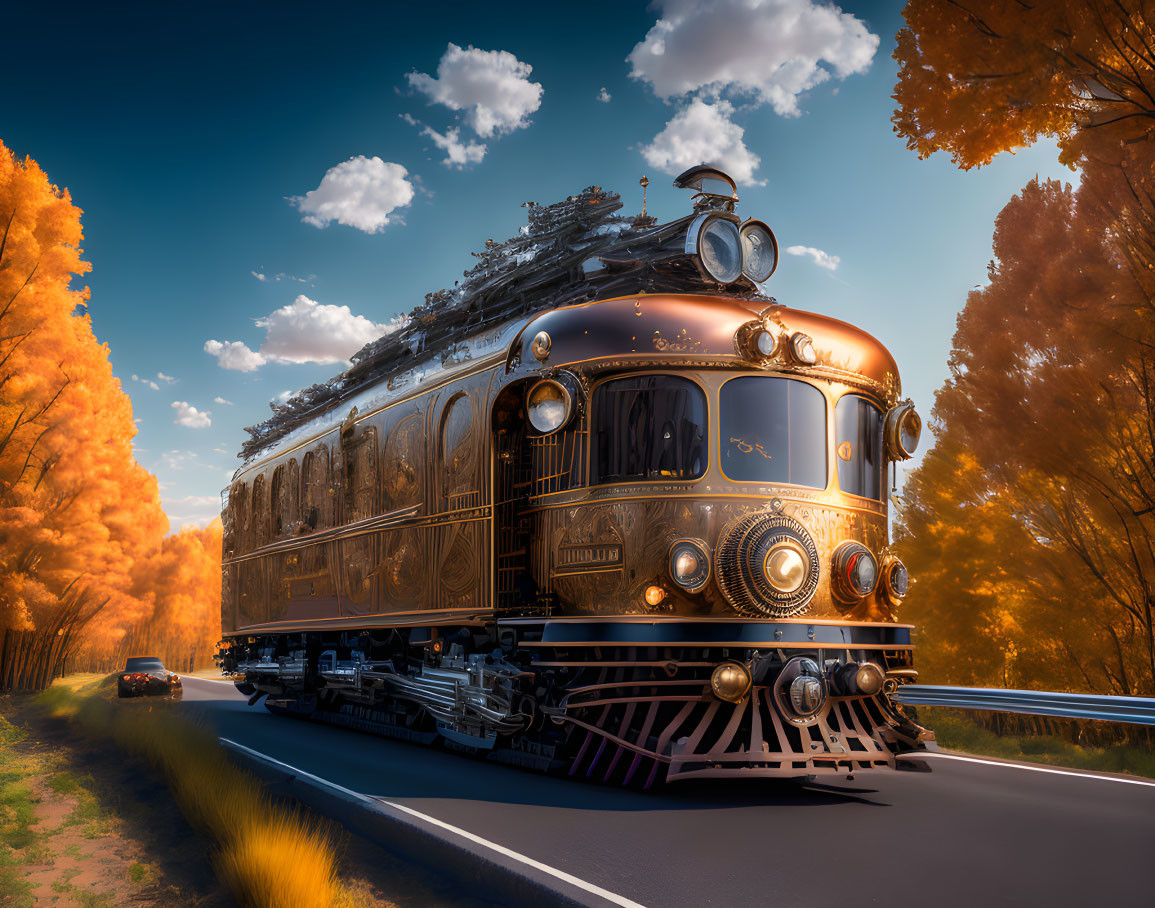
(858, 427)
(649, 427)
(773, 430)
(284, 499)
(257, 533)
(235, 516)
(361, 479)
(317, 489)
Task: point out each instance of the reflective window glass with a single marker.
(649, 427)
(858, 426)
(773, 430)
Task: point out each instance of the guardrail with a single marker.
(1134, 710)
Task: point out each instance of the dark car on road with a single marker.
(147, 675)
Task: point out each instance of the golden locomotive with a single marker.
(603, 509)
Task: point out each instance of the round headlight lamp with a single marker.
(854, 574)
(755, 341)
(759, 251)
(802, 346)
(902, 431)
(894, 580)
(689, 564)
(731, 681)
(718, 245)
(550, 403)
(800, 690)
(767, 565)
(785, 566)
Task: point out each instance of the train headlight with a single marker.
(785, 567)
(550, 403)
(718, 245)
(902, 431)
(759, 251)
(731, 681)
(802, 346)
(655, 595)
(766, 564)
(800, 690)
(540, 346)
(689, 564)
(894, 579)
(854, 574)
(853, 679)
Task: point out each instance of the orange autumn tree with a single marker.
(79, 518)
(1031, 523)
(181, 582)
(979, 77)
(1032, 520)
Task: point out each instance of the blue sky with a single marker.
(191, 136)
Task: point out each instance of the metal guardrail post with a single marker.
(1133, 710)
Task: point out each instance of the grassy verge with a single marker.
(268, 854)
(955, 731)
(60, 844)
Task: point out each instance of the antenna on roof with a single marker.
(643, 219)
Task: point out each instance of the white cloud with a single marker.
(165, 378)
(191, 510)
(189, 416)
(221, 400)
(361, 192)
(303, 332)
(284, 396)
(604, 96)
(770, 50)
(235, 355)
(492, 86)
(147, 382)
(176, 460)
(264, 278)
(821, 259)
(457, 153)
(309, 332)
(703, 133)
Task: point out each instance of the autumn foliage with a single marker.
(1031, 523)
(85, 568)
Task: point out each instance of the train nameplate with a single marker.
(577, 559)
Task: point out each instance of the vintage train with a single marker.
(602, 509)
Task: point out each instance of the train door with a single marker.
(360, 548)
(514, 587)
(460, 546)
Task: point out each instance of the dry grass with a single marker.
(268, 855)
(280, 863)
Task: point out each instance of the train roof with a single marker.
(568, 256)
(691, 329)
(573, 251)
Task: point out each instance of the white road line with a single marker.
(1030, 768)
(611, 897)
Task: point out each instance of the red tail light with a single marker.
(126, 677)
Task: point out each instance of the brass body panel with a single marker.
(389, 518)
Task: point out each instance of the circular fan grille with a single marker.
(739, 565)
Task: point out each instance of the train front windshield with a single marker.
(773, 430)
(649, 427)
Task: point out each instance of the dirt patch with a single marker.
(83, 823)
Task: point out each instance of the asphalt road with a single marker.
(967, 833)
